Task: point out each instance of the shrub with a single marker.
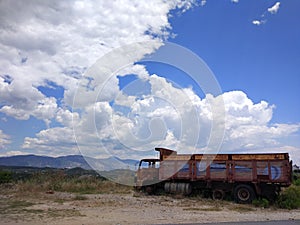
(289, 198)
(297, 182)
(264, 203)
(5, 177)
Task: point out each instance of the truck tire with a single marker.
(243, 194)
(218, 194)
(149, 190)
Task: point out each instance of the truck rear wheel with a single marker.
(243, 194)
(218, 194)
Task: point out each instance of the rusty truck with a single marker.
(243, 176)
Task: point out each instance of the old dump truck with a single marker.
(243, 176)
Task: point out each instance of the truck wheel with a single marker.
(149, 190)
(244, 194)
(218, 194)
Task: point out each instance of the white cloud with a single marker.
(136, 69)
(203, 2)
(4, 140)
(235, 1)
(42, 42)
(12, 153)
(274, 9)
(53, 141)
(242, 111)
(170, 117)
(66, 117)
(258, 22)
(21, 101)
(56, 42)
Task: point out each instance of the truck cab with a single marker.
(147, 173)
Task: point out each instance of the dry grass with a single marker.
(206, 209)
(91, 185)
(80, 197)
(241, 208)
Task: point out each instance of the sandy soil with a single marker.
(65, 208)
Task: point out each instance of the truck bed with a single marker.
(257, 168)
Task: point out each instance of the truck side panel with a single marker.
(276, 171)
(175, 169)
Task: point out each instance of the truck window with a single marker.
(144, 165)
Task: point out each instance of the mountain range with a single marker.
(70, 161)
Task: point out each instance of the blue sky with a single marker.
(260, 60)
(48, 57)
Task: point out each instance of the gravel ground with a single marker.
(133, 208)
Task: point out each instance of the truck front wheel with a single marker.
(243, 194)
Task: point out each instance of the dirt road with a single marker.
(65, 208)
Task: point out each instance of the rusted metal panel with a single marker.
(175, 169)
(165, 152)
(183, 169)
(233, 171)
(167, 169)
(243, 171)
(262, 171)
(229, 172)
(177, 157)
(279, 171)
(268, 168)
(254, 170)
(200, 170)
(259, 156)
(218, 170)
(211, 157)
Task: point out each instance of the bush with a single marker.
(289, 198)
(5, 177)
(264, 203)
(297, 182)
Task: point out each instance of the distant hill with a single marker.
(70, 161)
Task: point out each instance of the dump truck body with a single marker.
(246, 176)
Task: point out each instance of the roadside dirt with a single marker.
(133, 208)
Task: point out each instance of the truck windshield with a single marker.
(148, 164)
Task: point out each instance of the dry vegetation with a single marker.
(59, 198)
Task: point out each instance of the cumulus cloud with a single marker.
(274, 9)
(66, 117)
(249, 127)
(56, 42)
(4, 140)
(53, 141)
(171, 117)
